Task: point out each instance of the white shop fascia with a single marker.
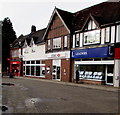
(59, 55)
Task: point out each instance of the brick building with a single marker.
(58, 44)
(89, 36)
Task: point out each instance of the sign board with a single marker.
(57, 55)
(117, 53)
(99, 52)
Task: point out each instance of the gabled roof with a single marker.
(104, 13)
(90, 17)
(37, 37)
(66, 18)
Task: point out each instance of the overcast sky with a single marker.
(25, 13)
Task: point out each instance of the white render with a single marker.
(116, 79)
(36, 52)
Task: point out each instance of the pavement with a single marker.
(92, 86)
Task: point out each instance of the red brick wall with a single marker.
(72, 69)
(57, 28)
(65, 70)
(48, 63)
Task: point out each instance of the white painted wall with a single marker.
(39, 53)
(117, 73)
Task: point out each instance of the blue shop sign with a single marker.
(92, 53)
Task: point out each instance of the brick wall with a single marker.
(65, 70)
(48, 63)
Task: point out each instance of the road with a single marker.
(37, 96)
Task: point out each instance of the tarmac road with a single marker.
(41, 96)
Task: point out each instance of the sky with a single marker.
(25, 13)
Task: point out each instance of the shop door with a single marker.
(109, 74)
(56, 70)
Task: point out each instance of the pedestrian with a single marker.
(77, 76)
(17, 72)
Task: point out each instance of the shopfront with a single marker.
(95, 65)
(58, 66)
(15, 67)
(117, 65)
(34, 68)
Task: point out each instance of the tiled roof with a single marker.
(104, 13)
(37, 37)
(67, 17)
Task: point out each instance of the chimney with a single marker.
(33, 28)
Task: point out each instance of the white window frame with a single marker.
(48, 45)
(107, 34)
(65, 41)
(77, 42)
(57, 43)
(89, 40)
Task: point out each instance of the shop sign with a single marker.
(91, 53)
(117, 53)
(15, 62)
(56, 55)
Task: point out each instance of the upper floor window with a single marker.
(57, 43)
(48, 46)
(65, 41)
(92, 37)
(15, 53)
(107, 34)
(77, 40)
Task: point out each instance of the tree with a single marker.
(8, 36)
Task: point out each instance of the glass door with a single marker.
(109, 74)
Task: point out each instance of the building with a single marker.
(16, 56)
(34, 54)
(96, 29)
(58, 44)
(89, 36)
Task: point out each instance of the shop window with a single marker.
(32, 70)
(65, 41)
(27, 70)
(38, 62)
(57, 43)
(92, 37)
(27, 62)
(95, 72)
(32, 62)
(37, 70)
